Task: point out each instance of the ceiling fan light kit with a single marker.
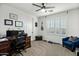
(46, 11)
(43, 10)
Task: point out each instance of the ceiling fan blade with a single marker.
(38, 9)
(49, 7)
(36, 5)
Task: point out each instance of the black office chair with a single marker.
(18, 45)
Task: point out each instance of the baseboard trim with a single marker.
(51, 42)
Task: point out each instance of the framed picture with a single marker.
(18, 23)
(13, 16)
(8, 22)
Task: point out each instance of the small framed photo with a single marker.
(18, 23)
(13, 16)
(8, 22)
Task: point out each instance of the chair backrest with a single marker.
(20, 33)
(20, 40)
(19, 43)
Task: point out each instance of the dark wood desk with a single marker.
(4, 47)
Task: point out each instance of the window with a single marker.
(57, 23)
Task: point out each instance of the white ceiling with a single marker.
(28, 7)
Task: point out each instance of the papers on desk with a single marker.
(3, 39)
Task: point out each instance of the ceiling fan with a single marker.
(42, 6)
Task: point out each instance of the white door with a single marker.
(34, 29)
(31, 29)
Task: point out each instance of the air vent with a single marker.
(50, 10)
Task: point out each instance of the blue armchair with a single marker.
(70, 44)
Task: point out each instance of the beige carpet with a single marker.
(41, 48)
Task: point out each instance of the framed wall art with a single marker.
(13, 16)
(8, 22)
(18, 24)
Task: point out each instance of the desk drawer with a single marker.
(4, 47)
(5, 50)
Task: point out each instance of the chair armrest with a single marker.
(76, 41)
(65, 39)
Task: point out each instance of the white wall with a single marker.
(22, 16)
(73, 22)
(72, 26)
